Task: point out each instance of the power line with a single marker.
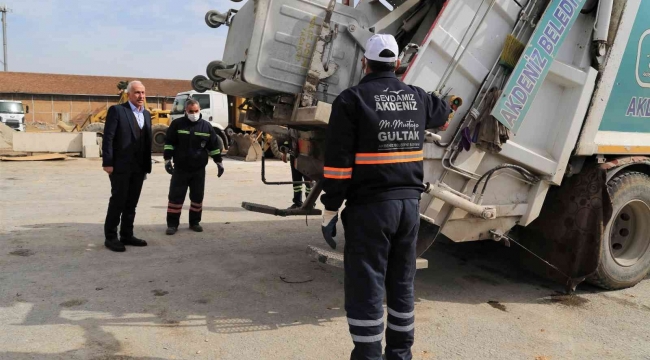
(4, 10)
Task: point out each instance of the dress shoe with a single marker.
(171, 230)
(133, 241)
(114, 245)
(196, 227)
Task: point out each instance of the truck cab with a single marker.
(12, 114)
(214, 106)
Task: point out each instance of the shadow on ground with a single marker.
(207, 208)
(233, 278)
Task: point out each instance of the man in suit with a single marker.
(127, 159)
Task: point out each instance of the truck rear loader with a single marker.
(549, 145)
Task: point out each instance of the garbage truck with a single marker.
(549, 144)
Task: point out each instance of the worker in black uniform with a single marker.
(374, 160)
(296, 176)
(190, 140)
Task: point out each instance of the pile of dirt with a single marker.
(6, 136)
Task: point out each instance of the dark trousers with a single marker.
(181, 180)
(125, 193)
(380, 240)
(297, 189)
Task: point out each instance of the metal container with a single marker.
(271, 43)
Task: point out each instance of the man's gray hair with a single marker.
(191, 102)
(130, 86)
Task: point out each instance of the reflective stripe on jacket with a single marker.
(375, 141)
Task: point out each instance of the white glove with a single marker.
(328, 227)
(430, 137)
(328, 216)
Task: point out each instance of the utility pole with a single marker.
(4, 10)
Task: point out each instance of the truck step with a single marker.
(335, 258)
(265, 209)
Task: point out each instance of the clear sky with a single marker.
(148, 38)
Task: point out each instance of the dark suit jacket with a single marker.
(119, 145)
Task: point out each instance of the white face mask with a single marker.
(194, 117)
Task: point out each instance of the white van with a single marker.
(214, 107)
(12, 114)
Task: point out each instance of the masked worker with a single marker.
(296, 176)
(189, 142)
(374, 160)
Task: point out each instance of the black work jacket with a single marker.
(190, 144)
(375, 141)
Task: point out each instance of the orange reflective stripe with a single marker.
(402, 153)
(337, 173)
(342, 177)
(174, 211)
(389, 158)
(396, 161)
(336, 169)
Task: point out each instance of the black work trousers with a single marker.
(125, 193)
(380, 241)
(181, 180)
(297, 188)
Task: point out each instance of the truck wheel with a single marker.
(426, 236)
(275, 149)
(625, 251)
(97, 128)
(230, 132)
(212, 69)
(224, 139)
(197, 83)
(158, 133)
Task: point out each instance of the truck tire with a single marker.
(97, 128)
(196, 83)
(224, 139)
(625, 250)
(212, 69)
(275, 149)
(158, 133)
(427, 234)
(230, 131)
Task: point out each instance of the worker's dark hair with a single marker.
(191, 102)
(379, 66)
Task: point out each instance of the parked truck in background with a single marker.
(550, 150)
(214, 107)
(12, 114)
(225, 114)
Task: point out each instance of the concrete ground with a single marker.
(244, 288)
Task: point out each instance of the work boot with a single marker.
(196, 227)
(133, 241)
(171, 230)
(295, 206)
(115, 245)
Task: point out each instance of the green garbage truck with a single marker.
(549, 150)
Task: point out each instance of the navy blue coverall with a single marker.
(374, 160)
(190, 145)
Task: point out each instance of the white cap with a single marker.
(378, 43)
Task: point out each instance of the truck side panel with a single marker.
(548, 132)
(619, 122)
